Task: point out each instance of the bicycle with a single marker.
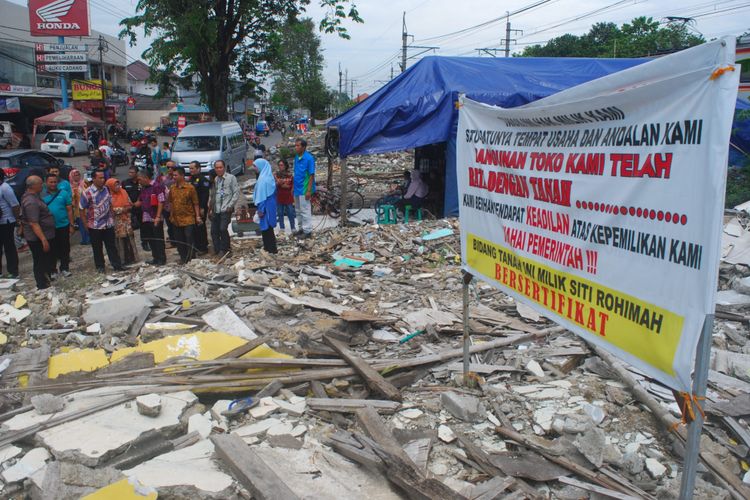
(325, 202)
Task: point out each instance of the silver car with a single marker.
(208, 142)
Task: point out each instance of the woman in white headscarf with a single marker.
(416, 192)
(264, 197)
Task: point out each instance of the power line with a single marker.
(529, 7)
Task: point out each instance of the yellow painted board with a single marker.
(202, 346)
(77, 360)
(199, 345)
(121, 490)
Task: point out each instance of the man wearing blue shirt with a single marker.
(60, 204)
(304, 187)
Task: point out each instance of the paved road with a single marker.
(82, 161)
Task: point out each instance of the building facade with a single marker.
(32, 92)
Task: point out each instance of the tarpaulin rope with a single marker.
(720, 71)
(687, 401)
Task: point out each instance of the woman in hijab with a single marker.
(264, 197)
(124, 235)
(416, 192)
(76, 187)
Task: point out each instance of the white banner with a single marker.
(601, 206)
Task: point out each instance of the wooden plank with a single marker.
(244, 348)
(319, 392)
(249, 469)
(596, 489)
(374, 380)
(594, 477)
(351, 405)
(492, 489)
(400, 469)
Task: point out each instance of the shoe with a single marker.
(120, 268)
(100, 270)
(53, 276)
(67, 274)
(153, 262)
(298, 233)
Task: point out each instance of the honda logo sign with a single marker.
(59, 17)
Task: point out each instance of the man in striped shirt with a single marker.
(96, 206)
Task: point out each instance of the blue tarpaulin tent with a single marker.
(739, 152)
(418, 107)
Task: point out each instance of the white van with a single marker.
(208, 142)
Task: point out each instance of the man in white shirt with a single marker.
(106, 149)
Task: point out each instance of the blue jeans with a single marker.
(289, 211)
(85, 239)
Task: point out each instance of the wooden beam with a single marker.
(400, 468)
(249, 469)
(351, 405)
(374, 380)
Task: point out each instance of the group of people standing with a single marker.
(285, 193)
(108, 212)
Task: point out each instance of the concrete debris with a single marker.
(201, 424)
(654, 468)
(591, 445)
(223, 319)
(251, 336)
(32, 462)
(190, 472)
(149, 405)
(466, 408)
(46, 404)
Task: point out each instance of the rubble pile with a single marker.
(334, 369)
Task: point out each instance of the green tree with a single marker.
(639, 38)
(219, 40)
(297, 67)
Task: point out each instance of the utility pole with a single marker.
(352, 93)
(338, 101)
(391, 71)
(507, 36)
(404, 37)
(508, 32)
(102, 48)
(346, 79)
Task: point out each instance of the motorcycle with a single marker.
(119, 155)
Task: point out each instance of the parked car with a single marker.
(208, 142)
(18, 164)
(262, 128)
(67, 142)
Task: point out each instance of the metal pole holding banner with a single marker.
(700, 381)
(63, 81)
(466, 282)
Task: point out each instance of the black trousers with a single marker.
(170, 227)
(220, 232)
(61, 249)
(201, 237)
(42, 263)
(105, 237)
(269, 240)
(154, 236)
(185, 239)
(8, 247)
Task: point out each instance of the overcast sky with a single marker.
(375, 45)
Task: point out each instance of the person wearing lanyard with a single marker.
(224, 196)
(9, 211)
